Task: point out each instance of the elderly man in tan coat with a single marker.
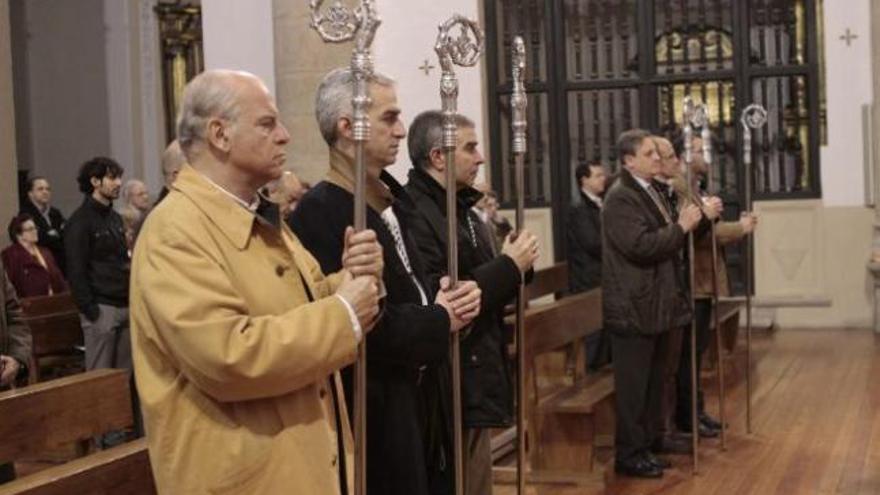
(236, 332)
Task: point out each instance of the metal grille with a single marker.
(593, 72)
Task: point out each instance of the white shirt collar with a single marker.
(251, 207)
(642, 182)
(593, 197)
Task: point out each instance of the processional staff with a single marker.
(688, 111)
(701, 119)
(463, 50)
(340, 25)
(753, 116)
(518, 104)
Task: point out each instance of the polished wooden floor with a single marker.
(816, 424)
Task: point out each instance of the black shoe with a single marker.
(637, 467)
(656, 461)
(672, 444)
(710, 421)
(703, 430)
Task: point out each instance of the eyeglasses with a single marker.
(28, 229)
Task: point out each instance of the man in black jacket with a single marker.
(403, 432)
(486, 389)
(642, 299)
(585, 229)
(98, 266)
(49, 221)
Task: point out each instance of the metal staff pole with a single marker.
(339, 25)
(518, 104)
(706, 136)
(465, 51)
(753, 116)
(688, 111)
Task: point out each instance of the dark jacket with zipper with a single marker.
(51, 233)
(584, 246)
(403, 431)
(486, 388)
(641, 263)
(98, 260)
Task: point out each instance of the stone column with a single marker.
(8, 161)
(301, 60)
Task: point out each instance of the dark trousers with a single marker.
(638, 383)
(702, 317)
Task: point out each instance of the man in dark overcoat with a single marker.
(412, 337)
(642, 243)
(486, 389)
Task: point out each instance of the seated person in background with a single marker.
(497, 225)
(135, 206)
(31, 268)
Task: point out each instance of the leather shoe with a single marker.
(657, 461)
(637, 467)
(703, 430)
(710, 421)
(672, 444)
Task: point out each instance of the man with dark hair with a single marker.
(487, 395)
(585, 229)
(412, 339)
(49, 221)
(98, 263)
(642, 242)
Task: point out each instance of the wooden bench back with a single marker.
(54, 323)
(552, 280)
(124, 469)
(552, 326)
(69, 409)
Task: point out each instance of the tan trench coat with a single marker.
(233, 364)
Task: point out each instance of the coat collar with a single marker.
(234, 221)
(423, 181)
(379, 195)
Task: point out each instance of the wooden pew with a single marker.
(69, 410)
(55, 327)
(567, 416)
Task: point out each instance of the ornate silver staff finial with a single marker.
(518, 101)
(688, 109)
(700, 119)
(754, 116)
(339, 25)
(463, 50)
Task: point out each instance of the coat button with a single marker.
(473, 358)
(279, 270)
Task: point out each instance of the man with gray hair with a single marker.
(236, 332)
(487, 395)
(411, 340)
(172, 161)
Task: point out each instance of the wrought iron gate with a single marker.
(598, 67)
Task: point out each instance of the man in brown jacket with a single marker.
(642, 301)
(726, 233)
(237, 335)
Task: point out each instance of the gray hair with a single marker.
(333, 100)
(426, 134)
(172, 159)
(209, 95)
(126, 189)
